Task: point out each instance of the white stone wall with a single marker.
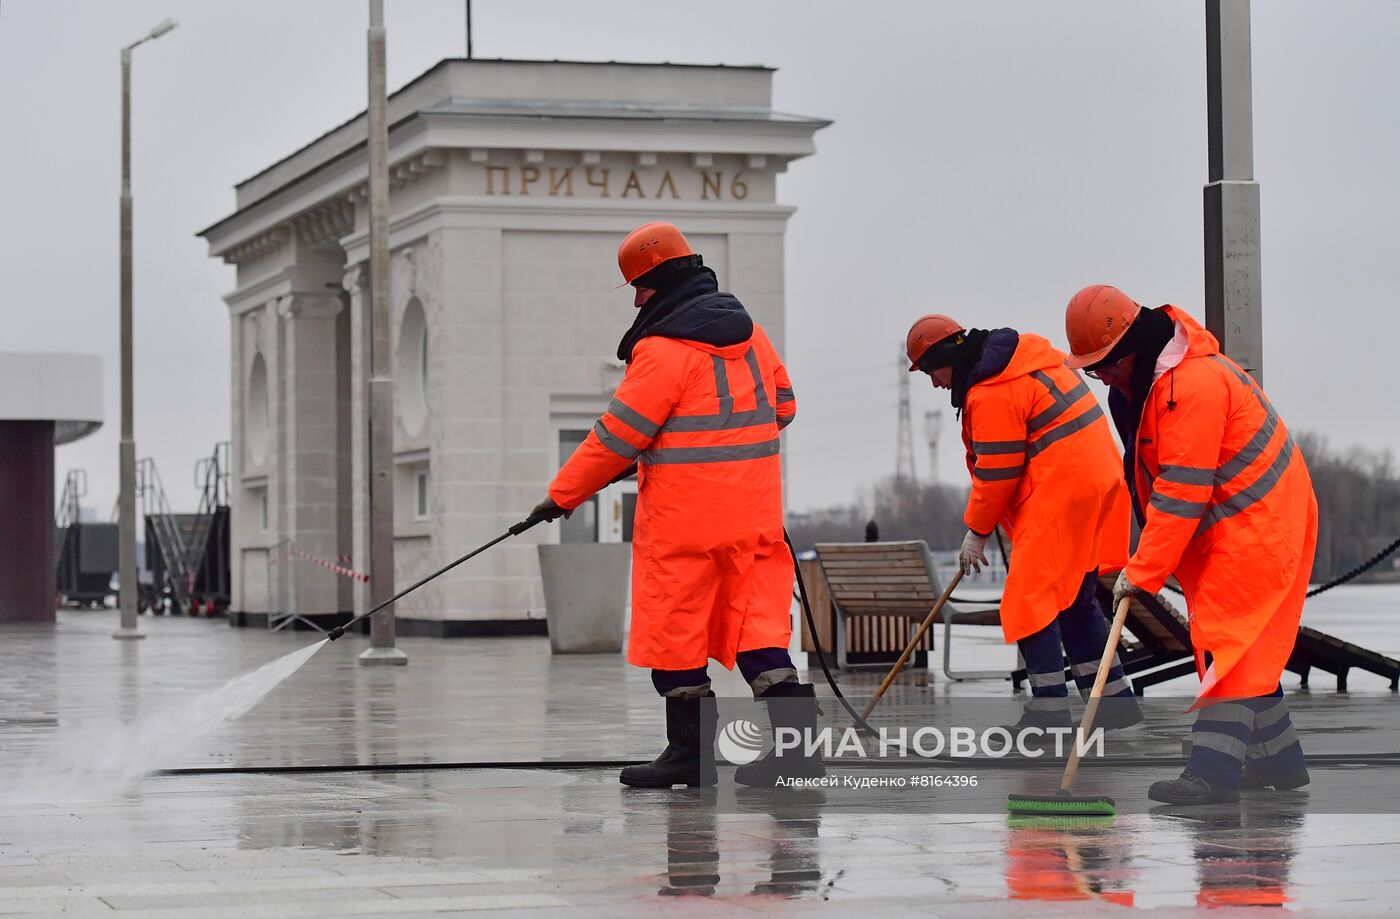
(504, 235)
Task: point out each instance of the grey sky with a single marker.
(988, 159)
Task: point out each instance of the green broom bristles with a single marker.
(1062, 804)
(1086, 822)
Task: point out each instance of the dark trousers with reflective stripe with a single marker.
(762, 668)
(1081, 631)
(1256, 731)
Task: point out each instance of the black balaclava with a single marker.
(687, 305)
(967, 355)
(675, 282)
(960, 351)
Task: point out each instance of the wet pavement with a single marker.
(572, 841)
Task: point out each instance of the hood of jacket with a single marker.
(1027, 353)
(695, 311)
(1199, 341)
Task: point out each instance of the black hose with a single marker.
(817, 641)
(1314, 759)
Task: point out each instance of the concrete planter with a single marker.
(585, 595)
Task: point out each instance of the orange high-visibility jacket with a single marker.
(1228, 507)
(711, 573)
(1045, 467)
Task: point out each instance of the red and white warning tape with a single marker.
(339, 569)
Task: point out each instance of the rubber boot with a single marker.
(793, 705)
(1191, 789)
(1118, 712)
(682, 762)
(1256, 780)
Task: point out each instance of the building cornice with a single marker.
(563, 214)
(420, 144)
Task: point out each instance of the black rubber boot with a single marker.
(1191, 789)
(793, 705)
(1118, 712)
(681, 763)
(1041, 744)
(1256, 781)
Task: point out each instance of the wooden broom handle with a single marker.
(909, 648)
(1092, 708)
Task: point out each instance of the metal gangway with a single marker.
(164, 528)
(182, 540)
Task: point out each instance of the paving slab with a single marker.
(561, 841)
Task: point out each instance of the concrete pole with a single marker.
(469, 29)
(381, 383)
(1234, 308)
(126, 450)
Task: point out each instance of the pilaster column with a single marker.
(309, 435)
(356, 282)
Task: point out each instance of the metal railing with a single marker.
(161, 523)
(74, 489)
(211, 476)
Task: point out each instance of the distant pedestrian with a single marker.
(872, 531)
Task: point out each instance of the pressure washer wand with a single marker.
(515, 530)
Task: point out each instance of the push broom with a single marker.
(1063, 803)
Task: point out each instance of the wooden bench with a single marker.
(883, 589)
(1337, 657)
(880, 591)
(1163, 637)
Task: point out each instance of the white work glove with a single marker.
(1123, 588)
(972, 556)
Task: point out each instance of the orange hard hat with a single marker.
(926, 332)
(649, 246)
(1096, 319)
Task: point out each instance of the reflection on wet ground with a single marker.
(574, 842)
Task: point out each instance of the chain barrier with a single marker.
(1362, 568)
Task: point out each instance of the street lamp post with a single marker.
(1234, 301)
(126, 451)
(382, 649)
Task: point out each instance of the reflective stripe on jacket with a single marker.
(1044, 465)
(1228, 506)
(711, 573)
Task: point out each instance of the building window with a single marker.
(256, 430)
(262, 509)
(582, 525)
(420, 492)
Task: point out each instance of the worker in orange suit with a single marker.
(1044, 467)
(1226, 504)
(698, 410)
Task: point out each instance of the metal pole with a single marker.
(381, 384)
(126, 450)
(1233, 301)
(469, 29)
